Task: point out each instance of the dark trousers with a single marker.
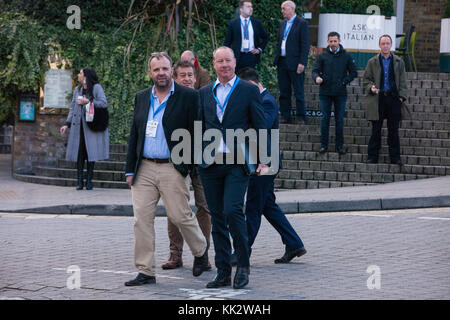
(389, 108)
(82, 152)
(288, 79)
(339, 111)
(261, 201)
(225, 187)
(246, 59)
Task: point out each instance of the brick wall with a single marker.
(426, 16)
(39, 142)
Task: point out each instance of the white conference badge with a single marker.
(151, 128)
(246, 44)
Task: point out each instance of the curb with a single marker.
(287, 207)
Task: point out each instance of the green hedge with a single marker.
(357, 6)
(447, 9)
(31, 30)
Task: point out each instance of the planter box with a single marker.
(359, 33)
(444, 62)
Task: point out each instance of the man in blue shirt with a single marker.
(150, 172)
(384, 83)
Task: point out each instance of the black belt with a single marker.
(387, 93)
(157, 160)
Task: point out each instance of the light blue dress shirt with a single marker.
(288, 27)
(221, 94)
(157, 148)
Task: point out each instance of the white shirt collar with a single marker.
(243, 19)
(172, 89)
(230, 83)
(291, 20)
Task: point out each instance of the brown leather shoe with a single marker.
(173, 263)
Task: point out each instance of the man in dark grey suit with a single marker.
(246, 36)
(228, 104)
(291, 60)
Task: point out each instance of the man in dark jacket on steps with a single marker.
(333, 70)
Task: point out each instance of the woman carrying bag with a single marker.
(88, 137)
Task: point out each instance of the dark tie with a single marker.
(246, 36)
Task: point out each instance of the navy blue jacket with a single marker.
(243, 111)
(270, 107)
(233, 39)
(297, 43)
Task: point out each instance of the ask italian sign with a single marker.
(358, 31)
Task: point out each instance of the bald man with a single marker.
(291, 60)
(228, 104)
(201, 75)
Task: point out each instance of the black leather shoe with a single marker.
(241, 277)
(371, 161)
(234, 259)
(322, 150)
(399, 162)
(341, 151)
(288, 256)
(201, 263)
(140, 280)
(219, 281)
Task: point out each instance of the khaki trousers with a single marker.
(155, 180)
(203, 217)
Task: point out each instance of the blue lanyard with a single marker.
(161, 106)
(222, 107)
(286, 30)
(243, 27)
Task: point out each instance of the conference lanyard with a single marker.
(222, 107)
(243, 27)
(286, 30)
(161, 106)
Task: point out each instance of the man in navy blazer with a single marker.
(228, 103)
(246, 36)
(260, 193)
(291, 60)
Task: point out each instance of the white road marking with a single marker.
(213, 294)
(119, 272)
(370, 215)
(433, 218)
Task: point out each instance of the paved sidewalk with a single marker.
(17, 196)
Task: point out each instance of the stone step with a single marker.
(314, 184)
(431, 113)
(424, 155)
(5, 139)
(407, 125)
(118, 148)
(117, 157)
(99, 165)
(307, 168)
(362, 131)
(100, 175)
(436, 139)
(68, 182)
(5, 148)
(365, 179)
(359, 154)
(363, 123)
